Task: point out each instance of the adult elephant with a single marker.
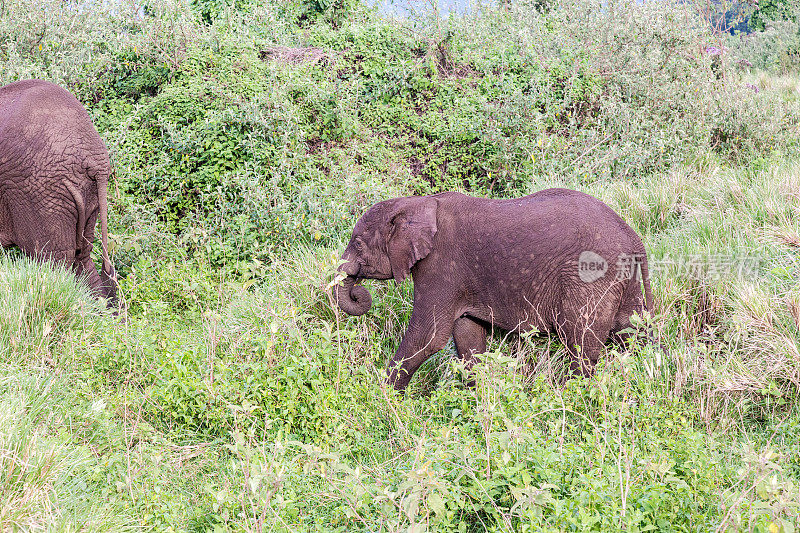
(558, 261)
(54, 171)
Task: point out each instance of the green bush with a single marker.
(770, 11)
(775, 48)
(232, 142)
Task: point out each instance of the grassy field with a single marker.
(248, 137)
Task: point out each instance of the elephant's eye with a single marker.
(359, 244)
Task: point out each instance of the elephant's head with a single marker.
(387, 242)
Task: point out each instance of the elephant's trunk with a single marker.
(352, 299)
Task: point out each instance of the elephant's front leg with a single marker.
(429, 329)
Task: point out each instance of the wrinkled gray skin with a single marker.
(513, 265)
(54, 171)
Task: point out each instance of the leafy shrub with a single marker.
(505, 458)
(776, 48)
(233, 146)
(770, 11)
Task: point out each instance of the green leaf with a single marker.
(436, 503)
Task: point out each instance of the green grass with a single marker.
(235, 396)
(50, 479)
(39, 306)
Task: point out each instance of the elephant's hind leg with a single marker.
(584, 346)
(84, 266)
(6, 228)
(584, 334)
(470, 339)
(86, 269)
(633, 301)
(45, 230)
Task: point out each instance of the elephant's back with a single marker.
(41, 90)
(565, 205)
(39, 119)
(570, 202)
(552, 225)
(573, 211)
(41, 105)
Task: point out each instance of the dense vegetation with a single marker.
(247, 137)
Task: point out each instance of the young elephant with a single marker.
(559, 261)
(54, 171)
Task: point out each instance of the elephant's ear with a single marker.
(411, 235)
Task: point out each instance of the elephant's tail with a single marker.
(81, 243)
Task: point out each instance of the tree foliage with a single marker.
(769, 10)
